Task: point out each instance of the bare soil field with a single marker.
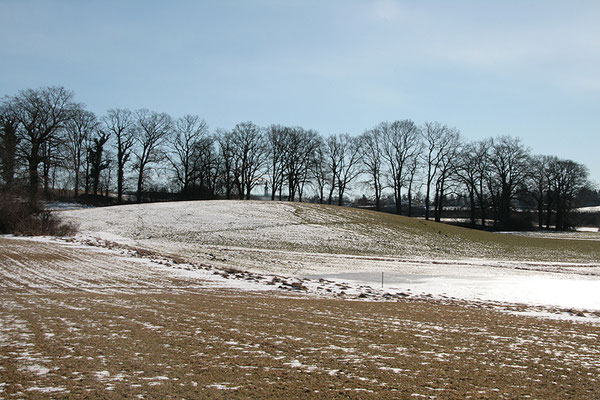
(86, 322)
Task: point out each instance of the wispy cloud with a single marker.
(387, 10)
(554, 44)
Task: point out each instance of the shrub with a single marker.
(20, 217)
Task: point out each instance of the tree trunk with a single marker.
(481, 204)
(76, 191)
(34, 180)
(87, 175)
(428, 192)
(548, 213)
(46, 174)
(8, 154)
(120, 183)
(438, 205)
(340, 196)
(540, 213)
(140, 182)
(398, 196)
(472, 201)
(330, 200)
(95, 185)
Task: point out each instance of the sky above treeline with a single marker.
(529, 69)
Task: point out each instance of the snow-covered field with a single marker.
(251, 300)
(306, 241)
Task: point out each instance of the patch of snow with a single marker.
(472, 283)
(100, 375)
(222, 386)
(38, 369)
(47, 389)
(587, 229)
(564, 316)
(592, 209)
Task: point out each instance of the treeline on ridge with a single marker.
(49, 143)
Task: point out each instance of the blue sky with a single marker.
(523, 68)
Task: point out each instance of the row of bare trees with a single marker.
(47, 140)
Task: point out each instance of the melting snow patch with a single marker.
(157, 378)
(102, 374)
(48, 389)
(38, 369)
(298, 364)
(587, 319)
(150, 326)
(223, 386)
(394, 370)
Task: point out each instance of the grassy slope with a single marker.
(402, 236)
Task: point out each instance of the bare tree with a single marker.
(467, 172)
(52, 159)
(401, 144)
(250, 153)
(552, 183)
(509, 168)
(153, 129)
(42, 115)
(121, 124)
(569, 178)
(97, 159)
(372, 159)
(276, 137)
(343, 156)
(299, 152)
(106, 176)
(445, 169)
(228, 160)
(413, 168)
(482, 173)
(187, 146)
(9, 141)
(79, 129)
(334, 154)
(440, 142)
(539, 184)
(207, 167)
(319, 169)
